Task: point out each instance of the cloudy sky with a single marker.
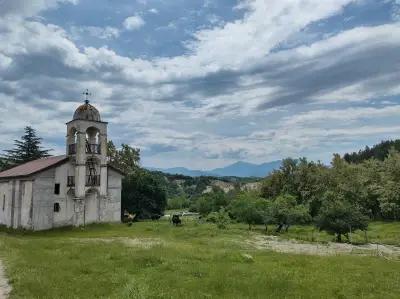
(203, 83)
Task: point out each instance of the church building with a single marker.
(73, 189)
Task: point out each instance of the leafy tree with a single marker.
(264, 209)
(142, 195)
(202, 206)
(126, 159)
(220, 218)
(244, 208)
(210, 202)
(339, 217)
(285, 211)
(178, 202)
(304, 180)
(27, 149)
(388, 189)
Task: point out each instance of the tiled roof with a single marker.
(32, 167)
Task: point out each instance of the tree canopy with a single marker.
(142, 193)
(27, 149)
(126, 158)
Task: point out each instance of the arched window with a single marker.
(93, 140)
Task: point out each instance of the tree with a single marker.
(3, 164)
(304, 180)
(339, 217)
(142, 195)
(220, 218)
(211, 202)
(244, 209)
(285, 212)
(27, 149)
(178, 202)
(126, 159)
(388, 189)
(264, 209)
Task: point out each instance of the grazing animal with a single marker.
(128, 217)
(176, 220)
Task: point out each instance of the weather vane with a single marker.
(86, 93)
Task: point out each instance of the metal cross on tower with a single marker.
(86, 93)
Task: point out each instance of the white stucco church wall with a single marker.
(74, 189)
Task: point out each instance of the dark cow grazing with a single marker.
(176, 220)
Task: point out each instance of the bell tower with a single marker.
(86, 146)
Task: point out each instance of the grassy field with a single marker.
(157, 260)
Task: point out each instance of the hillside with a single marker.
(378, 151)
(239, 169)
(191, 187)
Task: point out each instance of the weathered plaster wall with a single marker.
(29, 203)
(92, 208)
(25, 202)
(5, 202)
(66, 214)
(112, 206)
(43, 200)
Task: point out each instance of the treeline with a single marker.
(378, 151)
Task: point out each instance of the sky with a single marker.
(205, 83)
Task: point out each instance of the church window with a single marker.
(4, 201)
(57, 189)
(56, 207)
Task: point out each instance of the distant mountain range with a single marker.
(238, 169)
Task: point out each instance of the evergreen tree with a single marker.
(27, 149)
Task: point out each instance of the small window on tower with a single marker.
(56, 207)
(57, 189)
(4, 201)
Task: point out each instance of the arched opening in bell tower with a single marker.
(72, 141)
(93, 141)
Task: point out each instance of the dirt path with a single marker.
(292, 246)
(5, 288)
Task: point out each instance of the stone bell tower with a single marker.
(87, 150)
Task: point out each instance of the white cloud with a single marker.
(316, 117)
(199, 102)
(29, 8)
(106, 33)
(134, 22)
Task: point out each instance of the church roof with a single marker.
(87, 112)
(32, 167)
(39, 165)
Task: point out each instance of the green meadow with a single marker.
(157, 260)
